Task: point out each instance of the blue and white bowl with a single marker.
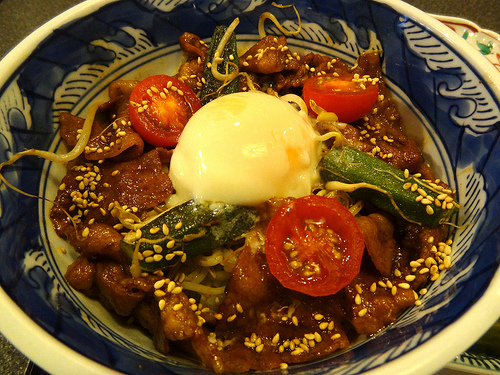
(449, 97)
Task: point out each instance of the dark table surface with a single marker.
(19, 18)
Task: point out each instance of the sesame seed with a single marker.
(231, 318)
(362, 312)
(323, 325)
(414, 264)
(430, 261)
(410, 278)
(429, 210)
(177, 306)
(171, 285)
(161, 304)
(177, 290)
(318, 316)
(159, 293)
(276, 338)
(297, 351)
(159, 284)
(309, 336)
(304, 347)
(422, 192)
(86, 232)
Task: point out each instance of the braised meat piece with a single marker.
(374, 303)
(102, 242)
(80, 274)
(262, 324)
(191, 72)
(110, 138)
(113, 292)
(269, 55)
(89, 191)
(378, 231)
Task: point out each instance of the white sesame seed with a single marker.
(86, 232)
(318, 316)
(177, 290)
(161, 304)
(276, 338)
(297, 351)
(239, 308)
(159, 284)
(177, 306)
(159, 293)
(414, 264)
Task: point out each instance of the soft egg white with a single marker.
(245, 148)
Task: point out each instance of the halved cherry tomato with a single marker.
(159, 108)
(348, 96)
(314, 246)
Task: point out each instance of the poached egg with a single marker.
(245, 148)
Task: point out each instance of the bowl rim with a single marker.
(422, 359)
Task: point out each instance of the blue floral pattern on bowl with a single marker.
(449, 106)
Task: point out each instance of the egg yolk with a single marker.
(245, 148)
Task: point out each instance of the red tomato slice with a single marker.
(159, 108)
(349, 97)
(314, 246)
